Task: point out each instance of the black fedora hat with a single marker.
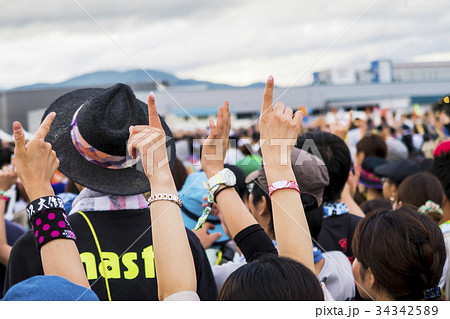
(89, 135)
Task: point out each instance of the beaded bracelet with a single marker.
(169, 197)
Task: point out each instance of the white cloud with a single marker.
(233, 42)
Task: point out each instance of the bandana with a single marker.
(94, 155)
(89, 200)
(334, 209)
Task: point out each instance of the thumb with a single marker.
(215, 236)
(19, 137)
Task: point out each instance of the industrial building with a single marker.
(383, 85)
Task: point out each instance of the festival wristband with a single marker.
(50, 225)
(208, 208)
(42, 204)
(283, 185)
(5, 198)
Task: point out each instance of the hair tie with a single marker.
(430, 206)
(432, 293)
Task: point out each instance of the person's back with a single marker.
(110, 217)
(124, 238)
(338, 224)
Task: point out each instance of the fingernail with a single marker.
(152, 95)
(131, 129)
(270, 78)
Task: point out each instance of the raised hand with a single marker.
(8, 176)
(215, 146)
(279, 128)
(352, 181)
(341, 130)
(36, 162)
(150, 141)
(206, 238)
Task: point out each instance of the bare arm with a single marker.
(36, 164)
(279, 126)
(175, 268)
(234, 212)
(8, 178)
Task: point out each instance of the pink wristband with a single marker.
(5, 198)
(283, 185)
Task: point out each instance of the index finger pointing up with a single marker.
(153, 117)
(44, 128)
(268, 96)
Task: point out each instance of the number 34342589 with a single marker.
(407, 310)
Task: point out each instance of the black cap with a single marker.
(397, 171)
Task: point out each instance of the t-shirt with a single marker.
(13, 232)
(249, 164)
(183, 296)
(337, 276)
(125, 239)
(222, 272)
(337, 233)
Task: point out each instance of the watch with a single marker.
(224, 177)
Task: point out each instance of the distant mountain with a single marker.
(134, 78)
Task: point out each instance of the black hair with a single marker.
(314, 214)
(372, 145)
(272, 278)
(258, 193)
(375, 204)
(5, 156)
(336, 156)
(441, 169)
(240, 179)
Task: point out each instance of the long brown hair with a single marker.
(418, 188)
(404, 250)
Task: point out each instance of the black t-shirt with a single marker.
(125, 239)
(337, 233)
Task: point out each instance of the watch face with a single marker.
(228, 177)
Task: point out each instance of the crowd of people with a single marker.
(106, 202)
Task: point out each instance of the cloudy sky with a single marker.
(235, 42)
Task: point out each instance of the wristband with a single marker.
(48, 220)
(43, 203)
(50, 225)
(283, 185)
(5, 198)
(226, 187)
(168, 197)
(207, 209)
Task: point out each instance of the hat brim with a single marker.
(125, 182)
